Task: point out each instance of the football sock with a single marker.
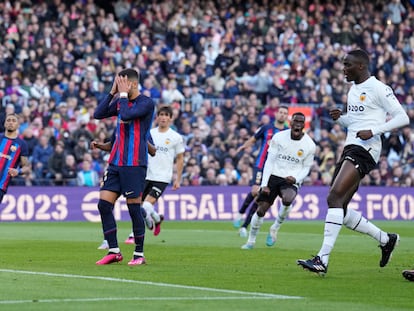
(355, 221)
(333, 223)
(149, 208)
(108, 222)
(114, 250)
(138, 254)
(283, 213)
(254, 228)
(249, 198)
(138, 224)
(252, 211)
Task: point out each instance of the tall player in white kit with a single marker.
(372, 109)
(290, 157)
(169, 149)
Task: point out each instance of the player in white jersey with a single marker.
(290, 157)
(169, 148)
(372, 109)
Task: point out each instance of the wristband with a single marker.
(123, 95)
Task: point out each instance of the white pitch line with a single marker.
(9, 302)
(205, 289)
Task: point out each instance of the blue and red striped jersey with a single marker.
(134, 121)
(10, 152)
(265, 134)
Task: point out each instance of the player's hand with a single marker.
(290, 180)
(335, 113)
(94, 144)
(364, 134)
(114, 88)
(176, 185)
(13, 172)
(264, 190)
(255, 190)
(123, 84)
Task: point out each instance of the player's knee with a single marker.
(334, 199)
(262, 209)
(104, 207)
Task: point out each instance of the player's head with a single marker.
(132, 74)
(166, 110)
(356, 65)
(297, 124)
(11, 123)
(164, 116)
(282, 114)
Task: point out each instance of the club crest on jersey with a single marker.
(13, 148)
(167, 141)
(300, 152)
(363, 96)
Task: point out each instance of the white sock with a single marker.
(149, 208)
(333, 224)
(115, 250)
(283, 213)
(255, 225)
(355, 221)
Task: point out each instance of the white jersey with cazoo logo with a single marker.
(168, 145)
(372, 105)
(288, 157)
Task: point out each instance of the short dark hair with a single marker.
(298, 114)
(132, 74)
(361, 55)
(166, 109)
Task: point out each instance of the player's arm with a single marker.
(248, 143)
(306, 166)
(179, 161)
(102, 146)
(269, 163)
(25, 167)
(151, 149)
(399, 117)
(106, 108)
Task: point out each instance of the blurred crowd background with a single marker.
(224, 66)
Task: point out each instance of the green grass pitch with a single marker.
(199, 266)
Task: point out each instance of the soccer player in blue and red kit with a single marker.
(265, 134)
(127, 161)
(13, 153)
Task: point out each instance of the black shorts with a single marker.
(154, 188)
(360, 157)
(276, 185)
(126, 180)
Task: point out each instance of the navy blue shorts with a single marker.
(126, 180)
(154, 188)
(257, 176)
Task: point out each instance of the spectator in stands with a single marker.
(70, 171)
(41, 155)
(55, 164)
(87, 176)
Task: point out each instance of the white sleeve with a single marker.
(267, 169)
(307, 164)
(393, 107)
(343, 120)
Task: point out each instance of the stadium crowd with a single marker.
(224, 66)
